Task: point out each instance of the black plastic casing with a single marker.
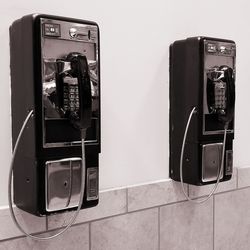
(186, 91)
(26, 95)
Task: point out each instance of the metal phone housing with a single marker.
(192, 62)
(48, 164)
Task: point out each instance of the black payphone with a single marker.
(55, 72)
(202, 97)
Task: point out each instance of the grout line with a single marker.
(222, 192)
(159, 228)
(47, 223)
(241, 188)
(233, 190)
(90, 236)
(13, 238)
(213, 220)
(237, 178)
(126, 200)
(24, 236)
(157, 206)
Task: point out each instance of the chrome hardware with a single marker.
(229, 162)
(215, 74)
(74, 33)
(211, 47)
(211, 161)
(63, 66)
(92, 184)
(62, 183)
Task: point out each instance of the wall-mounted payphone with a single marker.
(55, 71)
(202, 96)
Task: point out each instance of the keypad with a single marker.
(220, 95)
(71, 98)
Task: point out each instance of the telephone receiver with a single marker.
(221, 92)
(74, 100)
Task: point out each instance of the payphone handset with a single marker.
(201, 148)
(74, 90)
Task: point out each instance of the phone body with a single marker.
(202, 75)
(55, 71)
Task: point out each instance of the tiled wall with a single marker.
(152, 216)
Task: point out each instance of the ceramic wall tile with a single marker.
(154, 194)
(29, 222)
(111, 202)
(243, 176)
(186, 226)
(133, 231)
(76, 238)
(232, 220)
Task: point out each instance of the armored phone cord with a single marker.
(30, 114)
(220, 169)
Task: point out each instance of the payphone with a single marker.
(55, 73)
(202, 97)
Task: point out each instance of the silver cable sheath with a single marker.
(220, 169)
(30, 114)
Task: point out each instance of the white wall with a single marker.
(135, 36)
